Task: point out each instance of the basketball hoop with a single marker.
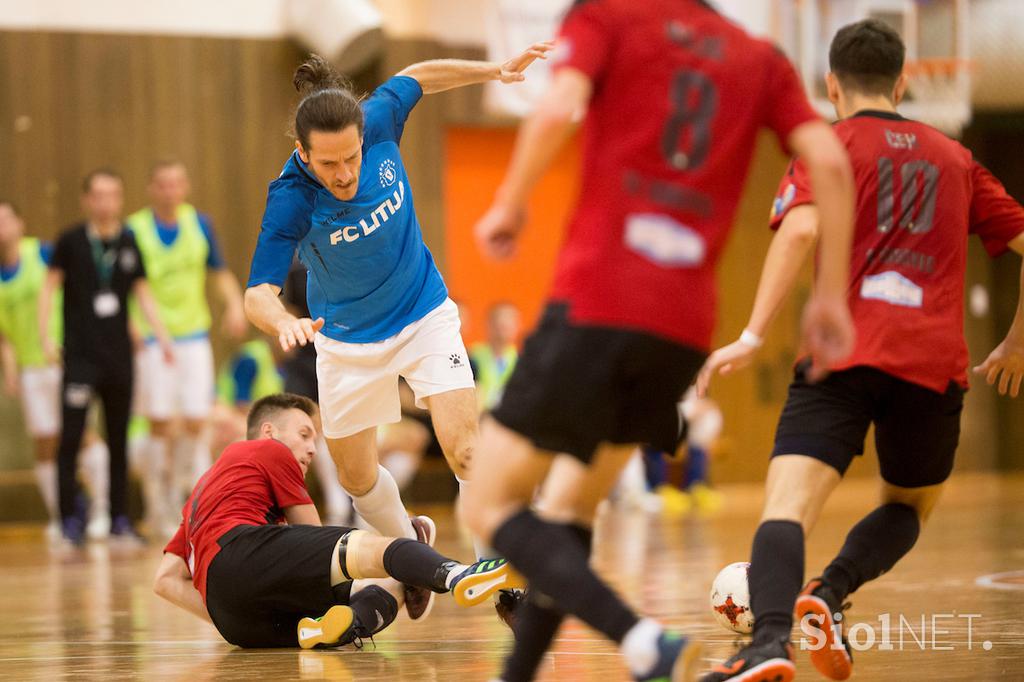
(938, 92)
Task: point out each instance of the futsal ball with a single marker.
(730, 598)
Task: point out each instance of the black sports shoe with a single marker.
(508, 604)
(771, 662)
(823, 608)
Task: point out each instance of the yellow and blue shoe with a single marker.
(482, 580)
(334, 628)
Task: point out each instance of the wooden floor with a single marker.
(91, 614)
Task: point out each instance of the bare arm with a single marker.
(149, 310)
(54, 279)
(173, 582)
(302, 515)
(231, 296)
(10, 367)
(827, 328)
(438, 75)
(541, 136)
(786, 255)
(264, 309)
(1008, 357)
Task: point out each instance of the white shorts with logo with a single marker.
(359, 381)
(40, 400)
(184, 388)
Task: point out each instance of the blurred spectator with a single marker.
(98, 264)
(28, 374)
(494, 360)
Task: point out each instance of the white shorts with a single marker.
(40, 400)
(185, 388)
(359, 381)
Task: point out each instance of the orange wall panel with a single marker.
(475, 162)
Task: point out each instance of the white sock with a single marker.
(46, 480)
(95, 461)
(336, 500)
(201, 457)
(482, 550)
(383, 509)
(154, 479)
(454, 573)
(402, 465)
(184, 458)
(640, 646)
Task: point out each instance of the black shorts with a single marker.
(576, 386)
(265, 579)
(300, 373)
(916, 429)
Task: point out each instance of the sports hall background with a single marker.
(83, 86)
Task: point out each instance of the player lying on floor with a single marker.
(265, 584)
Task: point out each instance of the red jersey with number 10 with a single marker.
(919, 196)
(251, 483)
(679, 95)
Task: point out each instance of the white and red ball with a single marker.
(730, 598)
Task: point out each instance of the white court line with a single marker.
(992, 581)
(289, 652)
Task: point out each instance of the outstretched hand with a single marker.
(1005, 363)
(511, 71)
(828, 333)
(298, 332)
(497, 231)
(723, 361)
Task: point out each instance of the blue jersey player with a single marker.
(379, 308)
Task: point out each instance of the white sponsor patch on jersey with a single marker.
(894, 288)
(661, 239)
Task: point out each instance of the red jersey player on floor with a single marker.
(251, 557)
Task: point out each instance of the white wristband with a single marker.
(751, 339)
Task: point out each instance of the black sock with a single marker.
(873, 547)
(553, 561)
(537, 622)
(776, 576)
(375, 609)
(417, 564)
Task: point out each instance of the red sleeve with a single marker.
(177, 543)
(794, 190)
(787, 106)
(996, 217)
(585, 40)
(286, 482)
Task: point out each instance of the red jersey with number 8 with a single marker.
(919, 196)
(679, 95)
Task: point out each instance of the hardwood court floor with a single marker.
(91, 615)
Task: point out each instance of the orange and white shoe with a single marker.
(818, 607)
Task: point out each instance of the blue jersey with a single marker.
(370, 274)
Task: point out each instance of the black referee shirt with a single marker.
(98, 276)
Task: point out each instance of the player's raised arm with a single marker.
(827, 328)
(541, 136)
(786, 255)
(438, 75)
(1006, 362)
